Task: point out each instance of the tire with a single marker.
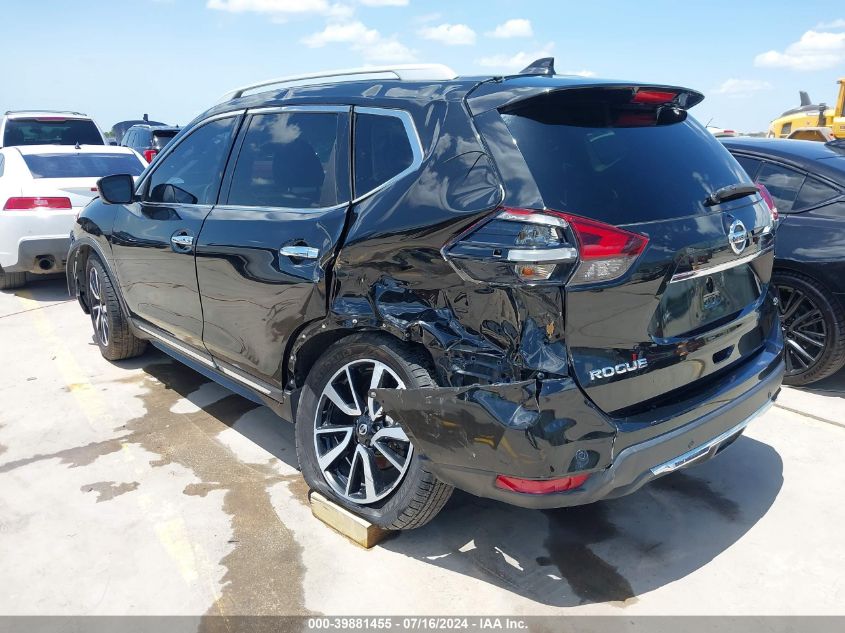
(813, 325)
(8, 281)
(111, 329)
(409, 500)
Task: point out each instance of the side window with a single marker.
(382, 150)
(290, 159)
(783, 183)
(750, 165)
(2, 164)
(191, 173)
(813, 192)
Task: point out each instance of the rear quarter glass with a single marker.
(585, 165)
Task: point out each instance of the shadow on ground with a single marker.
(605, 552)
(44, 288)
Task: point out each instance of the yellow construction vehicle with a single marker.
(812, 122)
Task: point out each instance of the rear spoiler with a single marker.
(505, 92)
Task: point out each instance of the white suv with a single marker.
(48, 127)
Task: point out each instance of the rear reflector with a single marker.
(653, 96)
(540, 486)
(23, 204)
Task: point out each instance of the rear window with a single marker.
(600, 157)
(382, 150)
(82, 165)
(162, 138)
(51, 131)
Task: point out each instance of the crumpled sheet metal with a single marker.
(528, 429)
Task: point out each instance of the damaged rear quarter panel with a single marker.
(390, 273)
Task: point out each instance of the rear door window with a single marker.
(191, 173)
(592, 153)
(750, 165)
(291, 160)
(783, 183)
(51, 131)
(77, 165)
(382, 149)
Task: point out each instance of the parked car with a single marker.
(148, 140)
(48, 127)
(541, 289)
(807, 181)
(119, 129)
(42, 189)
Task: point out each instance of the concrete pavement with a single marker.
(140, 487)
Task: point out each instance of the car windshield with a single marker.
(51, 131)
(77, 165)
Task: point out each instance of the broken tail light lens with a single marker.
(515, 246)
(36, 202)
(540, 486)
(530, 246)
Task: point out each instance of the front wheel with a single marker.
(111, 329)
(813, 326)
(354, 453)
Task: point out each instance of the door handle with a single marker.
(182, 241)
(300, 252)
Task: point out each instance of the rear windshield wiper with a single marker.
(731, 192)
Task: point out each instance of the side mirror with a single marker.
(117, 189)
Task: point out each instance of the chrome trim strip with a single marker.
(332, 109)
(245, 381)
(181, 348)
(692, 456)
(709, 270)
(413, 139)
(563, 254)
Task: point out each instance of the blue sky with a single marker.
(117, 59)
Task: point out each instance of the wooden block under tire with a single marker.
(342, 520)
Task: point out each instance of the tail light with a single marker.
(653, 97)
(29, 203)
(770, 202)
(540, 486)
(149, 154)
(525, 246)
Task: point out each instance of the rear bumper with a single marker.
(39, 255)
(535, 430)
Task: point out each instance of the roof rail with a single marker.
(404, 72)
(50, 111)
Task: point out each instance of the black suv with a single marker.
(148, 139)
(542, 289)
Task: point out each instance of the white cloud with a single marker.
(517, 61)
(815, 50)
(270, 6)
(384, 3)
(517, 27)
(425, 18)
(340, 32)
(449, 34)
(826, 26)
(372, 45)
(741, 87)
(579, 73)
